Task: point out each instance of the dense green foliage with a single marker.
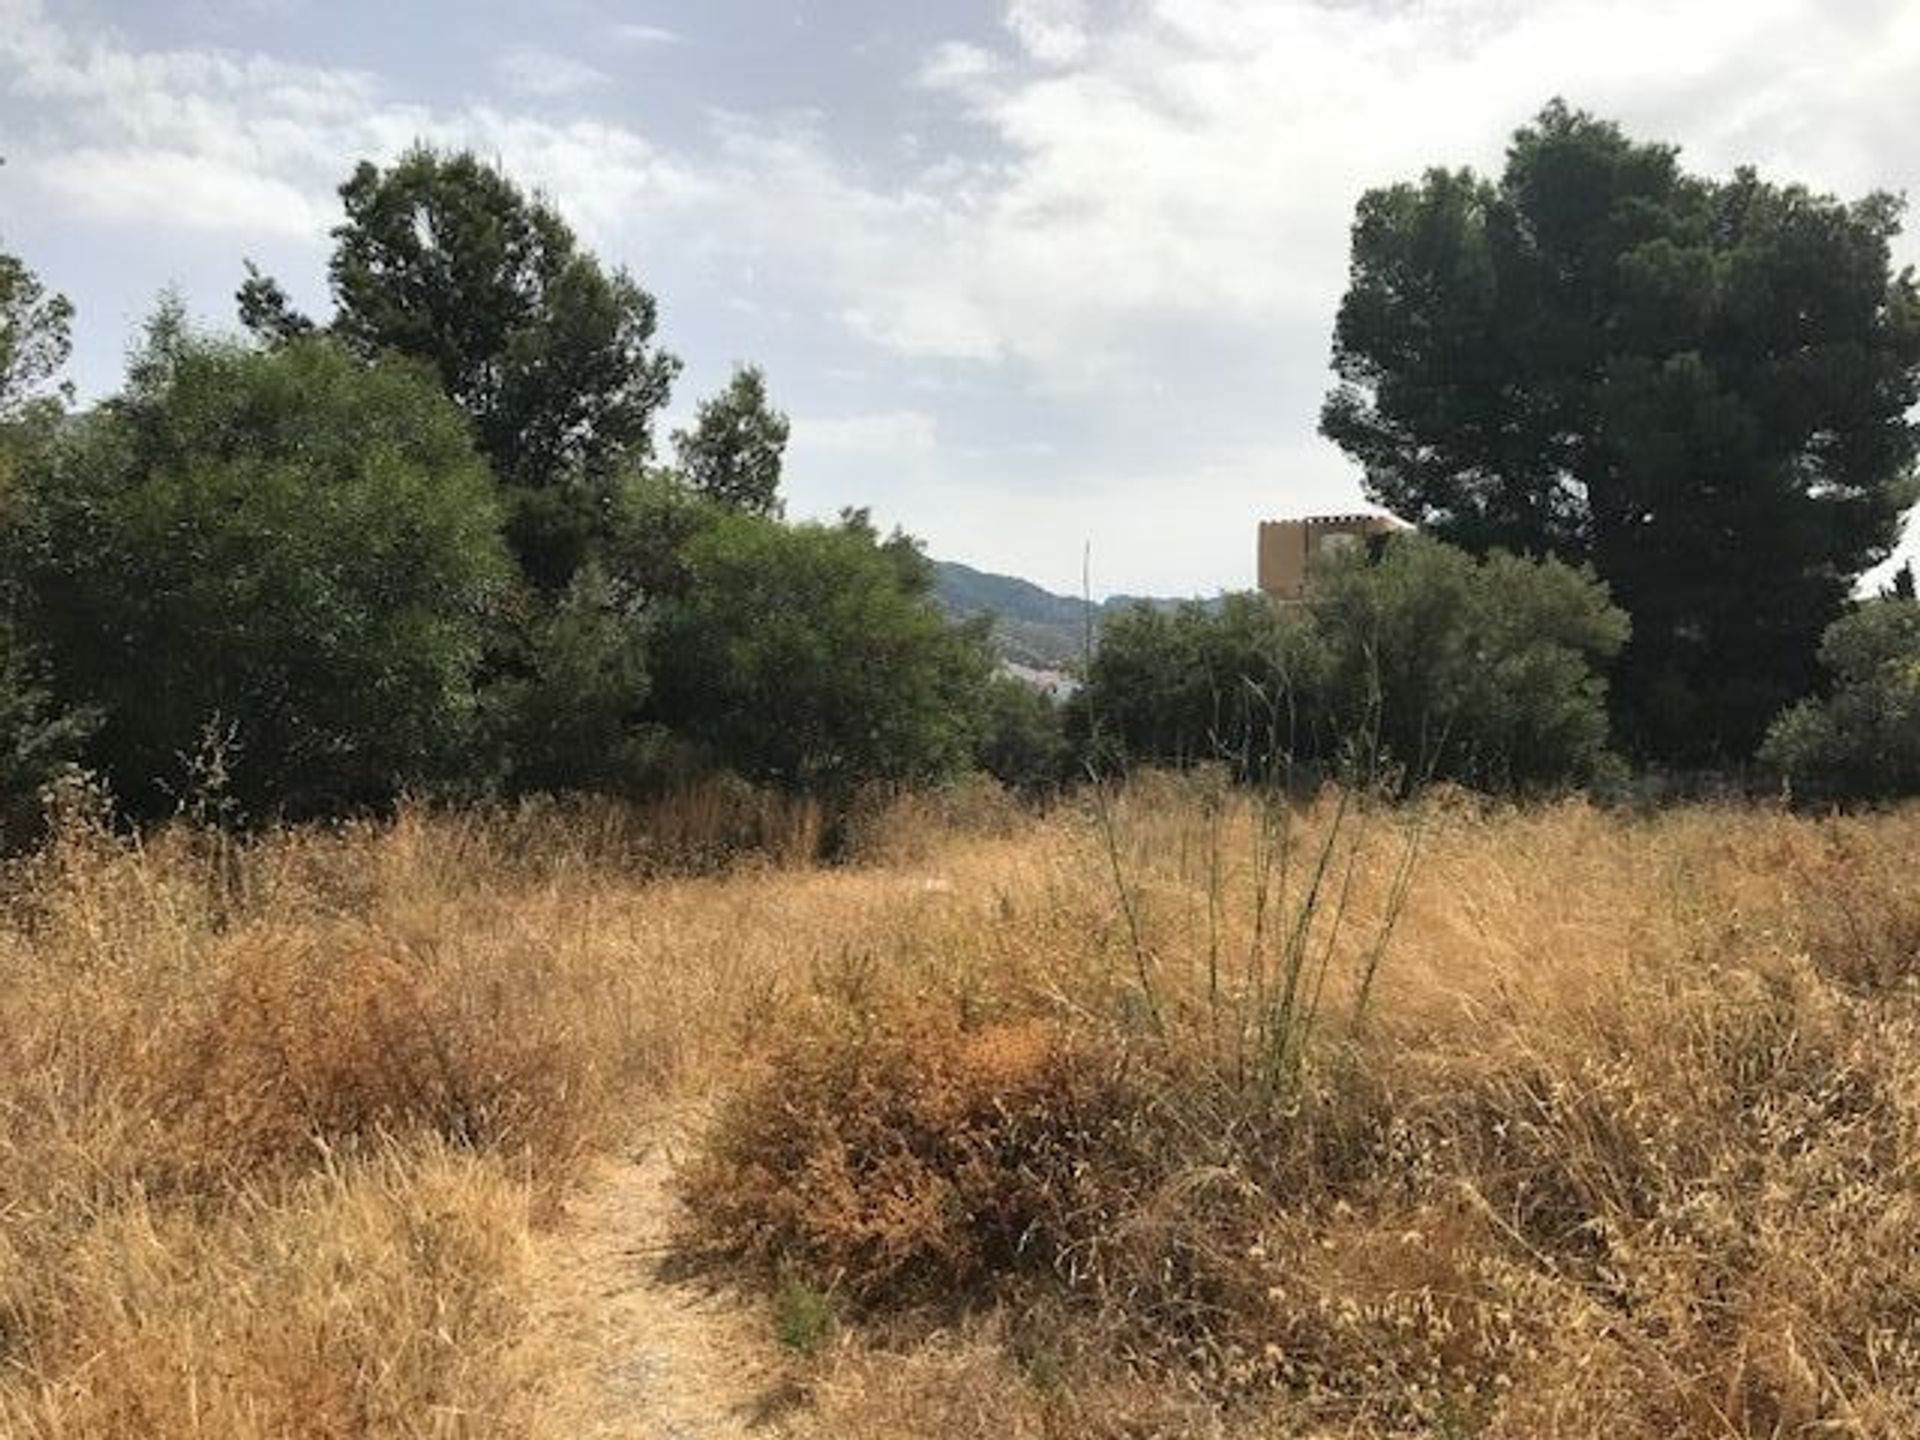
(1862, 742)
(810, 656)
(732, 455)
(427, 542)
(1489, 672)
(1433, 664)
(566, 710)
(1702, 388)
(1241, 681)
(1022, 739)
(39, 740)
(285, 570)
(442, 258)
(35, 339)
(291, 554)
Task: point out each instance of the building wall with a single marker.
(1287, 547)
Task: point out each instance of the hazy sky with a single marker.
(1028, 275)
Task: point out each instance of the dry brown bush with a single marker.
(887, 825)
(917, 1162)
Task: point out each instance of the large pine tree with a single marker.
(1700, 386)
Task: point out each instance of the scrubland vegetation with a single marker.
(448, 792)
(1653, 428)
(1187, 1112)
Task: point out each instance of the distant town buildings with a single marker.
(1056, 683)
(1288, 547)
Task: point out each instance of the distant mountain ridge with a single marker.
(1032, 626)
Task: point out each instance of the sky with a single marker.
(1046, 282)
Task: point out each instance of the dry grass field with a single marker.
(1179, 1113)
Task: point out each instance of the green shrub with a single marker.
(803, 1317)
(565, 712)
(292, 552)
(1022, 741)
(1236, 680)
(38, 739)
(811, 657)
(1862, 742)
(1487, 672)
(733, 452)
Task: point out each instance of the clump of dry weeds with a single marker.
(936, 1158)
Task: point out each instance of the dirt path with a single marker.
(647, 1354)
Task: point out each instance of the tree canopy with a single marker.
(35, 337)
(292, 553)
(1701, 387)
(1862, 740)
(426, 542)
(810, 656)
(1491, 672)
(444, 259)
(1236, 681)
(733, 452)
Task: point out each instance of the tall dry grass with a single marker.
(276, 1117)
(1213, 1117)
(1615, 1135)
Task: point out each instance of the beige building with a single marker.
(1287, 547)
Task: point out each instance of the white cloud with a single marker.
(885, 460)
(542, 74)
(955, 65)
(1160, 225)
(929, 319)
(646, 34)
(1202, 159)
(218, 139)
(1135, 241)
(195, 191)
(1198, 163)
(1051, 31)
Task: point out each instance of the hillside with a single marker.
(1032, 626)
